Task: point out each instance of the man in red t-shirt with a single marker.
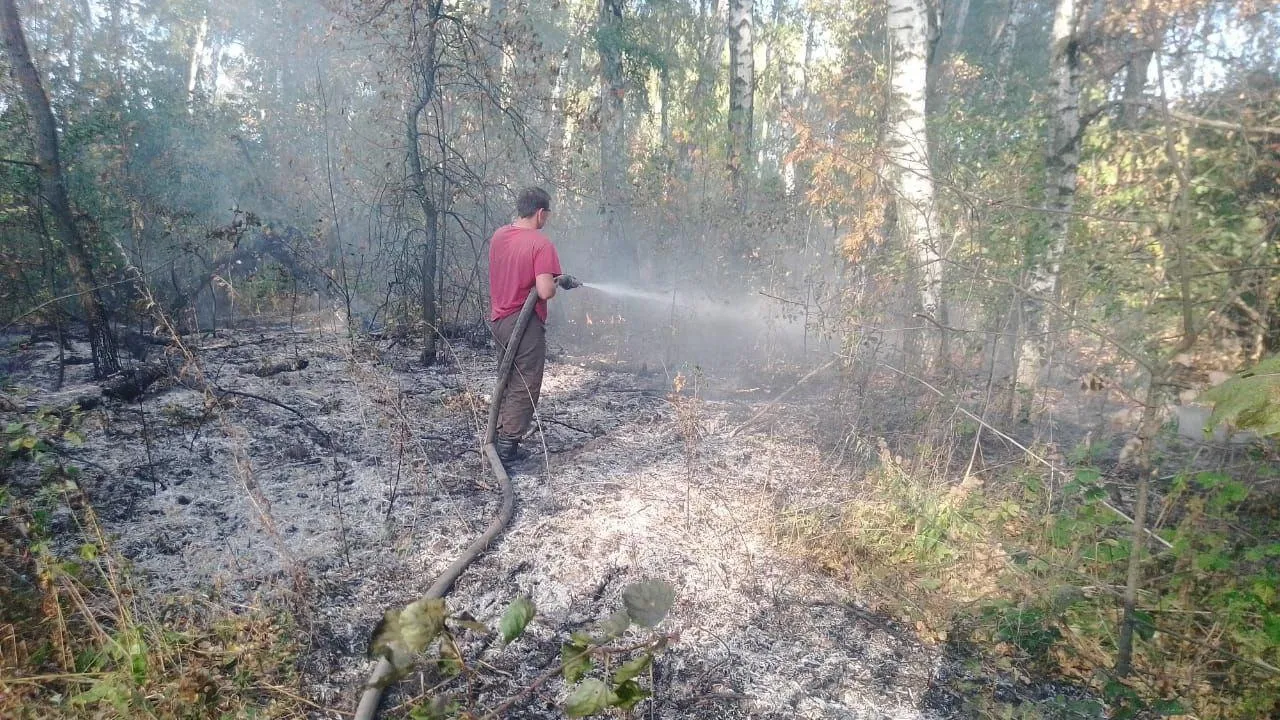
(520, 259)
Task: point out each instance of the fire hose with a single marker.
(384, 673)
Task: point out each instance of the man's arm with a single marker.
(546, 284)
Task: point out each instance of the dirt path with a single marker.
(634, 486)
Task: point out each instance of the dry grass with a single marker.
(78, 639)
(1027, 567)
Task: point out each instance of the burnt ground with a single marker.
(374, 485)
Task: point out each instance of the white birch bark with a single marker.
(197, 57)
(742, 84)
(1007, 42)
(909, 149)
(1061, 163)
(800, 104)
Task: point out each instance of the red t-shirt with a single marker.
(516, 257)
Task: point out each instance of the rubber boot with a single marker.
(509, 450)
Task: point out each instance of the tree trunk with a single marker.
(559, 147)
(791, 183)
(1006, 43)
(497, 60)
(710, 18)
(772, 109)
(423, 93)
(1043, 259)
(53, 186)
(613, 138)
(742, 83)
(197, 57)
(909, 153)
(1135, 81)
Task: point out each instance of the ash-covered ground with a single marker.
(352, 493)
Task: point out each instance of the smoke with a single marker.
(689, 304)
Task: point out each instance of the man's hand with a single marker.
(568, 282)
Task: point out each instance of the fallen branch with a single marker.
(561, 423)
(267, 368)
(328, 441)
(133, 382)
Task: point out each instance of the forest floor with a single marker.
(353, 499)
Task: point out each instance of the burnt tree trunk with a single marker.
(53, 185)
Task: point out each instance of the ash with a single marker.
(355, 503)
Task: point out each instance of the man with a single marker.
(520, 259)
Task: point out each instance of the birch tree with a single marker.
(1043, 258)
(908, 147)
(1006, 42)
(741, 95)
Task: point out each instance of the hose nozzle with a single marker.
(568, 282)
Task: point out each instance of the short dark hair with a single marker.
(531, 200)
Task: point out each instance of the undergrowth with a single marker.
(1028, 566)
(79, 638)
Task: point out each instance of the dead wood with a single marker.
(132, 383)
(327, 441)
(269, 368)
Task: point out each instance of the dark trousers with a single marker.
(515, 413)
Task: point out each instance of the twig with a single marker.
(294, 696)
(328, 441)
(1190, 119)
(562, 423)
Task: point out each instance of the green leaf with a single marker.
(1271, 626)
(1144, 626)
(591, 697)
(1249, 401)
(629, 670)
(649, 602)
(437, 708)
(629, 695)
(615, 624)
(73, 438)
(15, 428)
(1211, 480)
(1088, 475)
(576, 660)
(516, 618)
(1165, 708)
(404, 633)
(106, 689)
